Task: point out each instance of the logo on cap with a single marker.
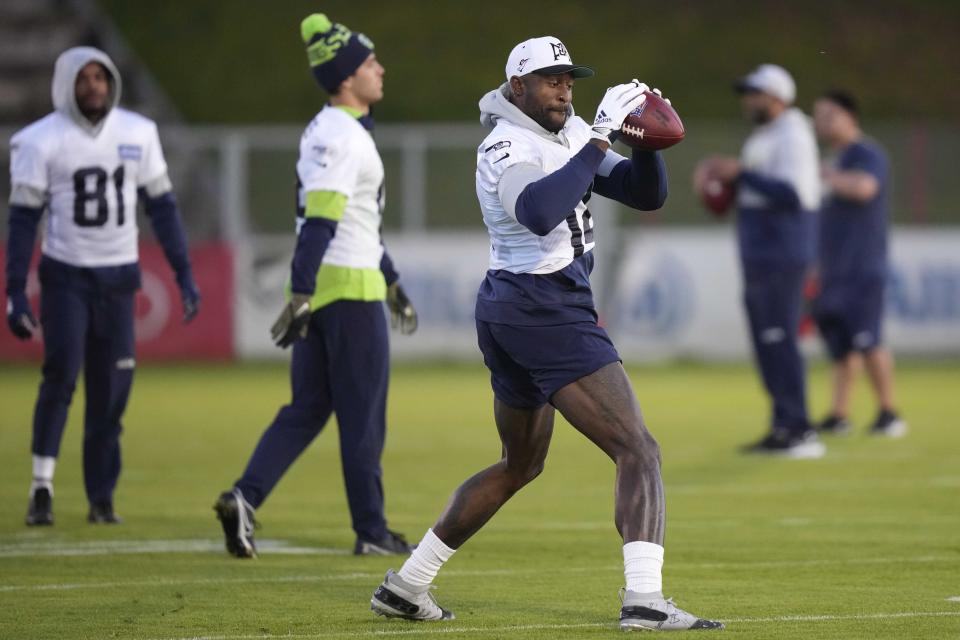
(559, 51)
(522, 63)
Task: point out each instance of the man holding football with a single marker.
(537, 326)
(777, 195)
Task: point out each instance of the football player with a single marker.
(340, 276)
(86, 164)
(537, 326)
(778, 192)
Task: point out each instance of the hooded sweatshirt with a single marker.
(539, 274)
(87, 175)
(63, 90)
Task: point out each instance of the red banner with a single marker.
(161, 334)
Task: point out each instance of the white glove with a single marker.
(660, 93)
(616, 105)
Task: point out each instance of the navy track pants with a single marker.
(341, 367)
(86, 325)
(773, 296)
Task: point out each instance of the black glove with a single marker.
(19, 316)
(293, 321)
(402, 313)
(190, 297)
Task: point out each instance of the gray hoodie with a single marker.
(64, 91)
(495, 106)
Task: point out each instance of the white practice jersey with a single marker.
(87, 175)
(90, 183)
(338, 154)
(786, 149)
(518, 140)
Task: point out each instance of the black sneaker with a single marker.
(834, 425)
(40, 509)
(236, 517)
(889, 425)
(391, 544)
(102, 513)
(785, 443)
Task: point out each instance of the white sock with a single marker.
(642, 567)
(43, 467)
(423, 564)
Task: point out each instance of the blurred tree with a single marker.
(241, 61)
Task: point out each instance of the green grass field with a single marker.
(864, 543)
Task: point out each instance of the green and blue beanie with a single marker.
(333, 51)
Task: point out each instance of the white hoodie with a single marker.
(524, 151)
(87, 174)
(63, 90)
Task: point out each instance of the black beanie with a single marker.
(333, 51)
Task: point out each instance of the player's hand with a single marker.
(616, 105)
(402, 313)
(723, 168)
(190, 297)
(293, 321)
(660, 94)
(726, 168)
(20, 317)
(703, 174)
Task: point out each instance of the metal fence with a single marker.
(237, 181)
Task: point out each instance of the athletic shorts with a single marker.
(849, 315)
(529, 364)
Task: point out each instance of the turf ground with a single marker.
(864, 543)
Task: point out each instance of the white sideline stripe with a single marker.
(439, 630)
(953, 599)
(111, 547)
(468, 573)
(179, 583)
(513, 526)
(939, 482)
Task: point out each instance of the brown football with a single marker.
(653, 125)
(718, 196)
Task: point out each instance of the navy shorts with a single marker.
(529, 364)
(849, 315)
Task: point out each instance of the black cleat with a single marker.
(834, 425)
(102, 513)
(789, 445)
(391, 544)
(888, 425)
(236, 517)
(40, 509)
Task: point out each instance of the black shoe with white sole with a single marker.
(236, 517)
(781, 442)
(888, 425)
(40, 509)
(102, 513)
(391, 544)
(834, 425)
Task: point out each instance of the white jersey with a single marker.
(784, 148)
(338, 154)
(518, 140)
(87, 175)
(90, 183)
